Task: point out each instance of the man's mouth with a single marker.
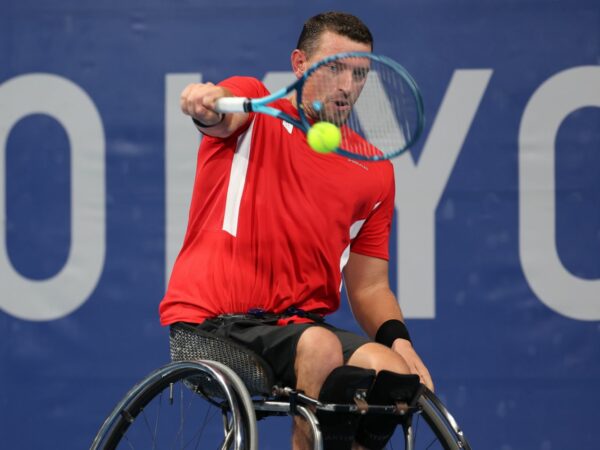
(342, 105)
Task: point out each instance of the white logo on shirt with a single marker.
(288, 126)
(357, 163)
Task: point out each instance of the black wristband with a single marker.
(391, 330)
(201, 125)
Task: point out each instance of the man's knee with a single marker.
(319, 351)
(321, 347)
(378, 357)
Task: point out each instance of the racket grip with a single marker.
(232, 105)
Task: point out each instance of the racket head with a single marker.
(372, 99)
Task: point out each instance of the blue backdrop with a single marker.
(496, 245)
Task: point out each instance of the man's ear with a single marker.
(299, 62)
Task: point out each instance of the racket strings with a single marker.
(385, 114)
(374, 104)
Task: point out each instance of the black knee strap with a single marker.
(375, 430)
(339, 429)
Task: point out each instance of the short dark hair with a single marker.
(337, 22)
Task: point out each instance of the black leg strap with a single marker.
(340, 386)
(375, 430)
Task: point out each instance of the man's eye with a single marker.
(360, 74)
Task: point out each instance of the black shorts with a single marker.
(275, 343)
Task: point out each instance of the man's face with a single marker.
(336, 85)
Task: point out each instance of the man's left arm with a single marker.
(373, 303)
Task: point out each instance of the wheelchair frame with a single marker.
(216, 379)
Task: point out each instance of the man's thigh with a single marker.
(277, 344)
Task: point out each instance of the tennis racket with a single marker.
(373, 100)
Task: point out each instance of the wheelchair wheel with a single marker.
(431, 427)
(183, 405)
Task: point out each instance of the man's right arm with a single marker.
(198, 101)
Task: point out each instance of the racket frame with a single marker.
(260, 105)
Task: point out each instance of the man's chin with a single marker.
(336, 119)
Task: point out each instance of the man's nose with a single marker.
(345, 81)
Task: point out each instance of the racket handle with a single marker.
(232, 105)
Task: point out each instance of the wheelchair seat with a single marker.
(190, 344)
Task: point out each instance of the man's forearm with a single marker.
(371, 309)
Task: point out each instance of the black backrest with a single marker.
(190, 344)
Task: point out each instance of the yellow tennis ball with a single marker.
(324, 137)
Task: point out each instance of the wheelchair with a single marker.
(213, 392)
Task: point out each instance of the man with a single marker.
(272, 226)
